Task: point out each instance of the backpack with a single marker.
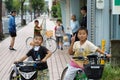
(61, 26)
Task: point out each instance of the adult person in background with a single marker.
(12, 29)
(83, 22)
(74, 24)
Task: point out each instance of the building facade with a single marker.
(101, 23)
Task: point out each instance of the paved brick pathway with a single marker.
(56, 63)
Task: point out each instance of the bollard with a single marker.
(103, 44)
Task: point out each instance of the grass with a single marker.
(111, 73)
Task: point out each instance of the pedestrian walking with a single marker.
(59, 32)
(12, 29)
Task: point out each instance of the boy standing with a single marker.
(59, 32)
(12, 29)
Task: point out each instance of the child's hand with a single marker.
(16, 62)
(107, 55)
(73, 38)
(32, 43)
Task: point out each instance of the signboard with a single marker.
(99, 4)
(117, 2)
(116, 7)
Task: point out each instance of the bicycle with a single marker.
(28, 71)
(49, 42)
(93, 68)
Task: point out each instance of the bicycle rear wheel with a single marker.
(50, 44)
(63, 73)
(28, 41)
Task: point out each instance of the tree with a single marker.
(9, 5)
(56, 10)
(16, 5)
(1, 28)
(22, 4)
(38, 6)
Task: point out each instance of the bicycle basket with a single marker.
(27, 68)
(93, 71)
(49, 33)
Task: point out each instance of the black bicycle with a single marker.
(27, 70)
(93, 68)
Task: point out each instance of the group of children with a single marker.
(75, 48)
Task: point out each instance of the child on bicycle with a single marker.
(83, 47)
(37, 28)
(38, 52)
(59, 32)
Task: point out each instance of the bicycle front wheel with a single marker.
(28, 41)
(50, 44)
(63, 73)
(14, 76)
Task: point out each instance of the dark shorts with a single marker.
(59, 39)
(13, 34)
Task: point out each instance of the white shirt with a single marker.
(74, 26)
(84, 49)
(36, 48)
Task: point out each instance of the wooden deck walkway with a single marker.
(56, 63)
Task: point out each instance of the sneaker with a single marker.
(12, 49)
(61, 48)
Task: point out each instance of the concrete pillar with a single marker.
(91, 20)
(75, 8)
(63, 10)
(103, 24)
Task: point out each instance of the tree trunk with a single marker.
(21, 13)
(34, 14)
(22, 4)
(1, 28)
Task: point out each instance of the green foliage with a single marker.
(111, 73)
(16, 5)
(59, 10)
(12, 5)
(56, 10)
(9, 5)
(38, 4)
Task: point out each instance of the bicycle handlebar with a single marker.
(27, 62)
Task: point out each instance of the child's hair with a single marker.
(13, 11)
(59, 20)
(39, 36)
(82, 28)
(36, 21)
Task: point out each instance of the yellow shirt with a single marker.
(83, 50)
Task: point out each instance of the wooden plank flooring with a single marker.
(56, 63)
